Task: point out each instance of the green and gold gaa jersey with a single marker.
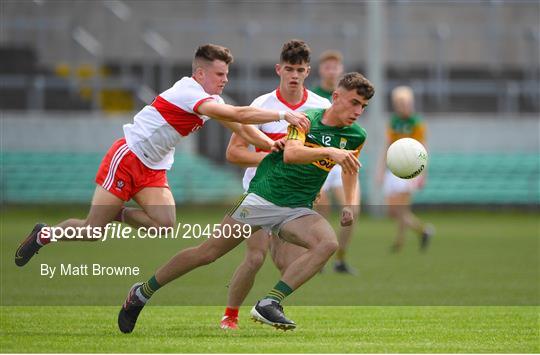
(297, 185)
(323, 93)
(410, 127)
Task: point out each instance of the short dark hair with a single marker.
(355, 80)
(210, 52)
(295, 51)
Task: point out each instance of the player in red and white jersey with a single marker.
(291, 95)
(135, 166)
(276, 130)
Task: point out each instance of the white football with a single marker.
(406, 158)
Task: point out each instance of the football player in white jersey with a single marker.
(291, 95)
(135, 166)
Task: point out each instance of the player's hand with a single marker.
(347, 216)
(347, 159)
(298, 119)
(278, 145)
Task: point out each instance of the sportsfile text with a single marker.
(117, 231)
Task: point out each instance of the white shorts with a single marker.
(333, 180)
(258, 212)
(394, 185)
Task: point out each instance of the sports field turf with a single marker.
(476, 290)
(323, 329)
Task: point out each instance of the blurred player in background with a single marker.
(135, 166)
(398, 192)
(330, 70)
(280, 199)
(291, 95)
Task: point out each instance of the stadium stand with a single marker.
(482, 179)
(477, 179)
(452, 179)
(69, 177)
(483, 66)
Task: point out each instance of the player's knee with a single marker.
(168, 223)
(255, 259)
(280, 264)
(328, 247)
(163, 222)
(207, 258)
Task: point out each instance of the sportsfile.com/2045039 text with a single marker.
(117, 231)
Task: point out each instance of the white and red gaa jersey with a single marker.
(158, 127)
(278, 129)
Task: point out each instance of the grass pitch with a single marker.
(193, 329)
(476, 290)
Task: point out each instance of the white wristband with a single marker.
(281, 115)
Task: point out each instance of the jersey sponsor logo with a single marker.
(325, 164)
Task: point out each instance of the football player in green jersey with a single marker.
(330, 70)
(404, 123)
(293, 68)
(280, 198)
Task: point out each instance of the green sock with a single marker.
(149, 287)
(279, 292)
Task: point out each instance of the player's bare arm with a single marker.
(296, 153)
(250, 134)
(352, 194)
(238, 152)
(251, 115)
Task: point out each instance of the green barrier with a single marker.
(452, 178)
(37, 177)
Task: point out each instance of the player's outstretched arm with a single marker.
(238, 152)
(251, 135)
(296, 153)
(251, 115)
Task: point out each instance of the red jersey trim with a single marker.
(196, 107)
(183, 122)
(292, 107)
